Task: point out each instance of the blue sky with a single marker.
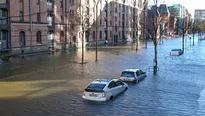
(191, 5)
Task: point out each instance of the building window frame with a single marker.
(38, 37)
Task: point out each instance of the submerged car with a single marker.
(132, 75)
(176, 52)
(104, 89)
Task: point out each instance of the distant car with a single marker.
(104, 89)
(176, 52)
(132, 75)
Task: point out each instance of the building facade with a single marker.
(117, 21)
(199, 14)
(42, 25)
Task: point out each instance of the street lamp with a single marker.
(96, 40)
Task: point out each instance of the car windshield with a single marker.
(96, 86)
(127, 74)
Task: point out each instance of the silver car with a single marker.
(132, 75)
(104, 89)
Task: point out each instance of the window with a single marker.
(118, 83)
(87, 2)
(50, 4)
(38, 17)
(61, 3)
(115, 9)
(50, 20)
(71, 2)
(61, 20)
(21, 16)
(138, 73)
(110, 34)
(127, 74)
(4, 35)
(72, 26)
(93, 35)
(94, 86)
(71, 13)
(115, 18)
(110, 22)
(38, 2)
(61, 36)
(100, 35)
(22, 39)
(38, 37)
(88, 11)
(4, 17)
(112, 84)
(87, 35)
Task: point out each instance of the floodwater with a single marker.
(52, 85)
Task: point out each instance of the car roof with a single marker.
(132, 69)
(102, 81)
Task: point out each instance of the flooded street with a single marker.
(52, 85)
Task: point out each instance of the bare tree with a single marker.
(184, 26)
(155, 33)
(82, 16)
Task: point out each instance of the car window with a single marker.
(141, 72)
(112, 84)
(127, 74)
(138, 73)
(119, 83)
(96, 86)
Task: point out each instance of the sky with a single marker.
(191, 5)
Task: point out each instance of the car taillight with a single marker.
(103, 94)
(135, 79)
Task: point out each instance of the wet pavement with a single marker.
(49, 85)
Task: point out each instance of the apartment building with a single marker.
(40, 25)
(116, 21)
(199, 14)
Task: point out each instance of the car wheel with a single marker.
(111, 97)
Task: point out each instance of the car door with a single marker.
(112, 89)
(138, 76)
(119, 87)
(143, 74)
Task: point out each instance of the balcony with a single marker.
(4, 4)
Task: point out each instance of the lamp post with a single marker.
(96, 29)
(30, 20)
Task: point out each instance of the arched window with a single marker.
(38, 37)
(22, 39)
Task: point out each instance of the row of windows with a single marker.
(22, 38)
(120, 34)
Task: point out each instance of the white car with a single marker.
(104, 89)
(132, 75)
(176, 52)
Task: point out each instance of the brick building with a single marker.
(41, 25)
